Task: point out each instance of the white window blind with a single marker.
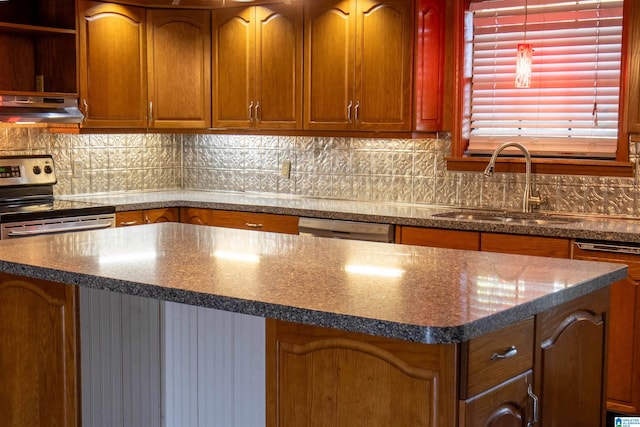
(571, 107)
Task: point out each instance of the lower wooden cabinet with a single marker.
(318, 376)
(39, 358)
(325, 377)
(438, 238)
(147, 216)
(623, 369)
(555, 247)
(506, 405)
(242, 220)
(570, 354)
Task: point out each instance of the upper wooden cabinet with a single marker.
(144, 69)
(632, 10)
(113, 72)
(429, 69)
(38, 44)
(179, 68)
(358, 65)
(257, 57)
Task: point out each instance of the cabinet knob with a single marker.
(256, 116)
(357, 110)
(251, 112)
(349, 111)
(510, 352)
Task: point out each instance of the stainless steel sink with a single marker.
(509, 218)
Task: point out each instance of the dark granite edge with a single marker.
(370, 326)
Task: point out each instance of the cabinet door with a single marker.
(324, 377)
(234, 67)
(504, 405)
(570, 362)
(329, 61)
(429, 67)
(632, 10)
(278, 79)
(113, 74)
(384, 58)
(179, 68)
(38, 318)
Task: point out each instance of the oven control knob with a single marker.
(37, 170)
(48, 169)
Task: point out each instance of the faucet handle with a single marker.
(535, 200)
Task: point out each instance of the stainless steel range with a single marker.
(27, 205)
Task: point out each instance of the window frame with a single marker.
(618, 167)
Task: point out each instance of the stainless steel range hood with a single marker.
(39, 109)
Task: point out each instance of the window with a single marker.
(570, 109)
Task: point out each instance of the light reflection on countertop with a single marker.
(442, 295)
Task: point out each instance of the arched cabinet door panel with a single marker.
(113, 71)
(39, 360)
(570, 359)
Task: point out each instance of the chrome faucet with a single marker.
(530, 198)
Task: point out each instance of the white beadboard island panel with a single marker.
(214, 368)
(147, 363)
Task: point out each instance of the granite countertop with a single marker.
(590, 227)
(419, 294)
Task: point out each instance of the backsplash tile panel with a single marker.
(384, 170)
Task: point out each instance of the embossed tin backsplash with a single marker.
(385, 170)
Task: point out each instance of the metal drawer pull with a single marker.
(349, 111)
(127, 223)
(510, 352)
(534, 398)
(253, 225)
(251, 112)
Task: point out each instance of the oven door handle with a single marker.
(94, 226)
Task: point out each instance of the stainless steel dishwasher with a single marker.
(615, 247)
(350, 230)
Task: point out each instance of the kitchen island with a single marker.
(357, 318)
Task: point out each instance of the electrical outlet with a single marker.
(77, 168)
(286, 169)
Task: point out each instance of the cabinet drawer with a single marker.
(128, 218)
(554, 247)
(438, 238)
(255, 221)
(487, 361)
